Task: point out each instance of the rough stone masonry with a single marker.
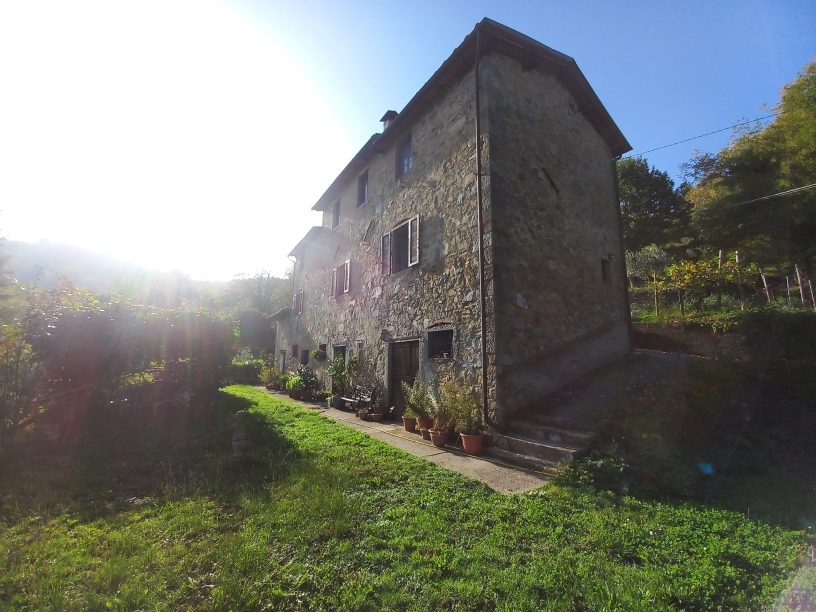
(555, 298)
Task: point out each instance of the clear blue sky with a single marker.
(664, 70)
(197, 134)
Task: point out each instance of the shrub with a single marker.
(295, 384)
(307, 378)
(418, 397)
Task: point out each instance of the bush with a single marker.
(418, 397)
(307, 378)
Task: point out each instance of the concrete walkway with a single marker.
(499, 476)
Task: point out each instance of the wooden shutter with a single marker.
(413, 241)
(334, 283)
(299, 302)
(386, 254)
(347, 279)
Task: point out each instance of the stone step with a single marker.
(519, 460)
(563, 436)
(554, 453)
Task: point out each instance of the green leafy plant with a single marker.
(339, 374)
(410, 413)
(318, 355)
(444, 408)
(467, 408)
(308, 378)
(295, 384)
(418, 397)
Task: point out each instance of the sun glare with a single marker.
(171, 134)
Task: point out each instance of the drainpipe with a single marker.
(485, 402)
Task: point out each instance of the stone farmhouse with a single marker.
(479, 233)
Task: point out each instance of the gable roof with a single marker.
(493, 37)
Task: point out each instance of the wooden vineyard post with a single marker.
(719, 279)
(657, 306)
(801, 288)
(812, 298)
(739, 281)
(765, 282)
(787, 282)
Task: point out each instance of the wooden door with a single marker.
(404, 366)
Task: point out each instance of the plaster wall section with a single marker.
(558, 316)
(443, 288)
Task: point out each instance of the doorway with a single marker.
(404, 366)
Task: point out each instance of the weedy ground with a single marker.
(155, 514)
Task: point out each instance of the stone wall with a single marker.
(443, 287)
(556, 217)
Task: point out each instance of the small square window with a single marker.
(336, 214)
(440, 344)
(405, 157)
(322, 347)
(295, 351)
(606, 271)
(362, 188)
(304, 357)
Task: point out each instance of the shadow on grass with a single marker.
(116, 463)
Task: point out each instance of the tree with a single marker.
(758, 162)
(653, 211)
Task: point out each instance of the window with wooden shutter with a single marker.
(400, 247)
(386, 254)
(299, 302)
(347, 277)
(413, 241)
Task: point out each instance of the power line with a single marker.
(731, 127)
(773, 195)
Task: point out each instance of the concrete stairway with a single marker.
(563, 426)
(541, 446)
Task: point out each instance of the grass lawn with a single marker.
(158, 515)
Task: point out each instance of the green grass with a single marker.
(159, 515)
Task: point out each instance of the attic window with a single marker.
(362, 188)
(606, 271)
(405, 157)
(440, 344)
(336, 214)
(400, 247)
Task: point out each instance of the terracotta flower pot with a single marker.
(409, 423)
(307, 395)
(377, 416)
(472, 444)
(426, 433)
(438, 437)
(425, 423)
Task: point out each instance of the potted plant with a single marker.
(272, 378)
(283, 379)
(309, 381)
(377, 412)
(318, 355)
(409, 420)
(444, 412)
(469, 420)
(418, 399)
(339, 375)
(295, 387)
